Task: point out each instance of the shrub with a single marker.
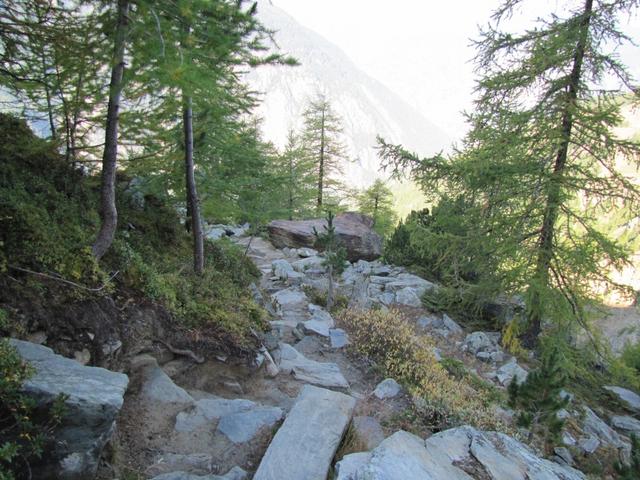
(23, 434)
(389, 340)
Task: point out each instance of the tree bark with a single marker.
(321, 163)
(192, 194)
(108, 211)
(552, 204)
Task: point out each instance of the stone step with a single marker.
(306, 443)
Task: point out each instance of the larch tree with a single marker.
(298, 177)
(539, 165)
(377, 202)
(321, 140)
(108, 211)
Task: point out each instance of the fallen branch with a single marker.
(178, 351)
(63, 280)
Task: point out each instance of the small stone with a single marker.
(111, 347)
(564, 454)
(408, 296)
(38, 337)
(589, 444)
(338, 337)
(83, 357)
(567, 439)
(233, 386)
(387, 388)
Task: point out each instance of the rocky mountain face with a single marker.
(367, 107)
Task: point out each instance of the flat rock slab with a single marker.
(309, 371)
(239, 420)
(304, 446)
(629, 398)
(387, 388)
(462, 453)
(94, 398)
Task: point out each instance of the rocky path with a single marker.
(285, 415)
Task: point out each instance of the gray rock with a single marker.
(306, 252)
(320, 323)
(567, 439)
(479, 342)
(626, 423)
(157, 387)
(236, 473)
(594, 425)
(215, 233)
(338, 337)
(239, 420)
(409, 296)
(290, 298)
(457, 454)
(309, 263)
(353, 229)
(304, 446)
(387, 388)
(348, 467)
(368, 431)
(207, 410)
(83, 356)
(309, 371)
(589, 444)
(194, 463)
(509, 370)
(564, 455)
(629, 398)
(387, 298)
(382, 271)
(242, 427)
(95, 396)
(281, 269)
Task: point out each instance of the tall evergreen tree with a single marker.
(377, 202)
(321, 139)
(298, 178)
(540, 160)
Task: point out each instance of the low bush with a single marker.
(441, 400)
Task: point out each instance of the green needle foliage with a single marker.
(335, 255)
(538, 399)
(321, 140)
(631, 471)
(539, 167)
(377, 202)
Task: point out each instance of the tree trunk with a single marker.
(330, 290)
(291, 180)
(47, 91)
(552, 204)
(321, 163)
(108, 212)
(192, 194)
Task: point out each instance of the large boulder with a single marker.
(94, 397)
(354, 229)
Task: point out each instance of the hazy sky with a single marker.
(418, 48)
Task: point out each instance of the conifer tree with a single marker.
(539, 398)
(321, 139)
(335, 255)
(298, 178)
(539, 164)
(377, 202)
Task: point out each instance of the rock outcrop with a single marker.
(462, 453)
(354, 230)
(94, 397)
